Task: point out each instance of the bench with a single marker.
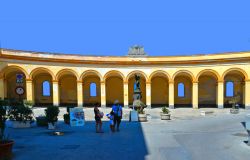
(204, 113)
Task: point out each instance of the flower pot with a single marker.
(20, 124)
(142, 117)
(234, 110)
(165, 116)
(51, 126)
(6, 149)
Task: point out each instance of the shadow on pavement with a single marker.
(80, 142)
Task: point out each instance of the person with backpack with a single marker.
(117, 109)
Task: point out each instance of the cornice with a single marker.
(80, 59)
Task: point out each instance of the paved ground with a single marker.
(188, 136)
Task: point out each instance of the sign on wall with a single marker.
(19, 78)
(77, 116)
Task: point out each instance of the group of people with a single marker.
(114, 116)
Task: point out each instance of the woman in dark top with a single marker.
(98, 116)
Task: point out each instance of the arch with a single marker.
(113, 72)
(60, 73)
(189, 73)
(7, 68)
(34, 72)
(134, 72)
(215, 73)
(235, 69)
(85, 74)
(159, 71)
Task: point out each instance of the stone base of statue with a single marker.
(133, 116)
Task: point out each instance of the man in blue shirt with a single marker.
(117, 109)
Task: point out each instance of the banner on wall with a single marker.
(77, 116)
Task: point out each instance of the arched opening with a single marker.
(207, 89)
(131, 81)
(159, 90)
(43, 93)
(114, 88)
(234, 86)
(183, 90)
(15, 84)
(67, 89)
(91, 89)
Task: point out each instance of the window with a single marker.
(92, 90)
(230, 89)
(46, 88)
(181, 90)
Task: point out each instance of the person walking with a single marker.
(98, 119)
(117, 109)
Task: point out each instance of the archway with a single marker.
(234, 82)
(159, 90)
(207, 90)
(43, 87)
(114, 87)
(14, 80)
(183, 89)
(91, 89)
(131, 81)
(67, 82)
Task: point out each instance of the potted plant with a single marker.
(51, 114)
(21, 116)
(66, 118)
(165, 113)
(139, 105)
(41, 121)
(5, 143)
(235, 106)
(28, 103)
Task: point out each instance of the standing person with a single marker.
(111, 121)
(98, 119)
(117, 109)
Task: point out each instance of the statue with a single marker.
(137, 103)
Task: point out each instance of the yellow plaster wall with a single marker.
(68, 90)
(87, 99)
(11, 86)
(207, 90)
(114, 90)
(159, 90)
(38, 89)
(187, 99)
(238, 87)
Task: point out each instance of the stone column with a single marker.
(195, 95)
(247, 94)
(125, 94)
(79, 94)
(29, 90)
(171, 94)
(148, 95)
(2, 88)
(103, 94)
(55, 93)
(220, 94)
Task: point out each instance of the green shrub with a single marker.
(20, 113)
(3, 118)
(165, 110)
(28, 103)
(51, 114)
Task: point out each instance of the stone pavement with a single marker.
(188, 136)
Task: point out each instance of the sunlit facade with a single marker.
(176, 81)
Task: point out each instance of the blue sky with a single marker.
(110, 27)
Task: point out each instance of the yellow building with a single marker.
(204, 78)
